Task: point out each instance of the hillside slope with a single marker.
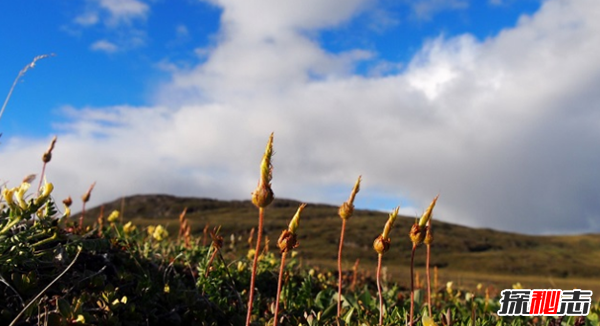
(455, 247)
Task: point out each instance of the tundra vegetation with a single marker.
(59, 268)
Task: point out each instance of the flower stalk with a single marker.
(85, 198)
(261, 198)
(287, 241)
(417, 236)
(345, 212)
(381, 246)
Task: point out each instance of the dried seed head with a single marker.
(427, 215)
(287, 241)
(68, 201)
(263, 195)
(48, 154)
(217, 240)
(381, 244)
(416, 234)
(347, 209)
(86, 197)
(29, 178)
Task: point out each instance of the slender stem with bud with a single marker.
(261, 198)
(85, 198)
(345, 212)
(45, 159)
(381, 244)
(286, 242)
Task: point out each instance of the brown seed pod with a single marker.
(381, 244)
(417, 234)
(287, 241)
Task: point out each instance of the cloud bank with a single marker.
(506, 129)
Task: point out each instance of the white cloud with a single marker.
(113, 12)
(504, 129)
(104, 46)
(121, 19)
(426, 9)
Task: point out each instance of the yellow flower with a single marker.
(20, 193)
(113, 217)
(517, 286)
(427, 321)
(8, 196)
(128, 227)
(449, 288)
(80, 319)
(160, 233)
(167, 289)
(241, 266)
(46, 190)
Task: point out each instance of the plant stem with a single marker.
(210, 261)
(339, 303)
(412, 284)
(256, 253)
(428, 280)
(379, 290)
(41, 178)
(279, 286)
(81, 217)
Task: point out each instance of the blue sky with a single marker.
(489, 103)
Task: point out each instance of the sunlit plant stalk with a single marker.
(417, 235)
(345, 212)
(287, 241)
(261, 198)
(85, 198)
(46, 157)
(381, 246)
(428, 241)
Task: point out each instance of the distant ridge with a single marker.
(455, 247)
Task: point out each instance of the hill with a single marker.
(458, 251)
